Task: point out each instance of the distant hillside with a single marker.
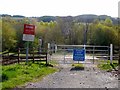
(90, 18)
(46, 18)
(86, 18)
(5, 15)
(18, 16)
(14, 16)
(80, 18)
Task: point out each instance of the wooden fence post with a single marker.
(33, 55)
(108, 57)
(8, 55)
(93, 53)
(46, 58)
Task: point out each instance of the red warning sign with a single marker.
(29, 29)
(29, 32)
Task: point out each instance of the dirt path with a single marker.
(67, 77)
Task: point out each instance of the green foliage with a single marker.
(78, 34)
(54, 34)
(8, 36)
(0, 35)
(77, 65)
(18, 74)
(108, 22)
(107, 66)
(102, 34)
(61, 31)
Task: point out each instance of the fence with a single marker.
(20, 56)
(7, 58)
(92, 52)
(115, 53)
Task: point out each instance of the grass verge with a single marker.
(78, 66)
(0, 76)
(19, 74)
(107, 66)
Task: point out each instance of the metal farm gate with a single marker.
(64, 53)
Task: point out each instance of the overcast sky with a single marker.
(59, 7)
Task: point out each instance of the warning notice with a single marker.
(78, 54)
(29, 32)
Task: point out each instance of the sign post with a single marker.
(27, 51)
(28, 35)
(79, 55)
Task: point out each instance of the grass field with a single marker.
(18, 74)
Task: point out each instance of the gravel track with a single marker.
(68, 77)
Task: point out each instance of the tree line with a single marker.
(65, 30)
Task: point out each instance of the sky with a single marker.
(34, 8)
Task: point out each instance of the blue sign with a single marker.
(78, 54)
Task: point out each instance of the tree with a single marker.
(0, 34)
(108, 22)
(78, 34)
(8, 36)
(103, 35)
(54, 34)
(66, 25)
